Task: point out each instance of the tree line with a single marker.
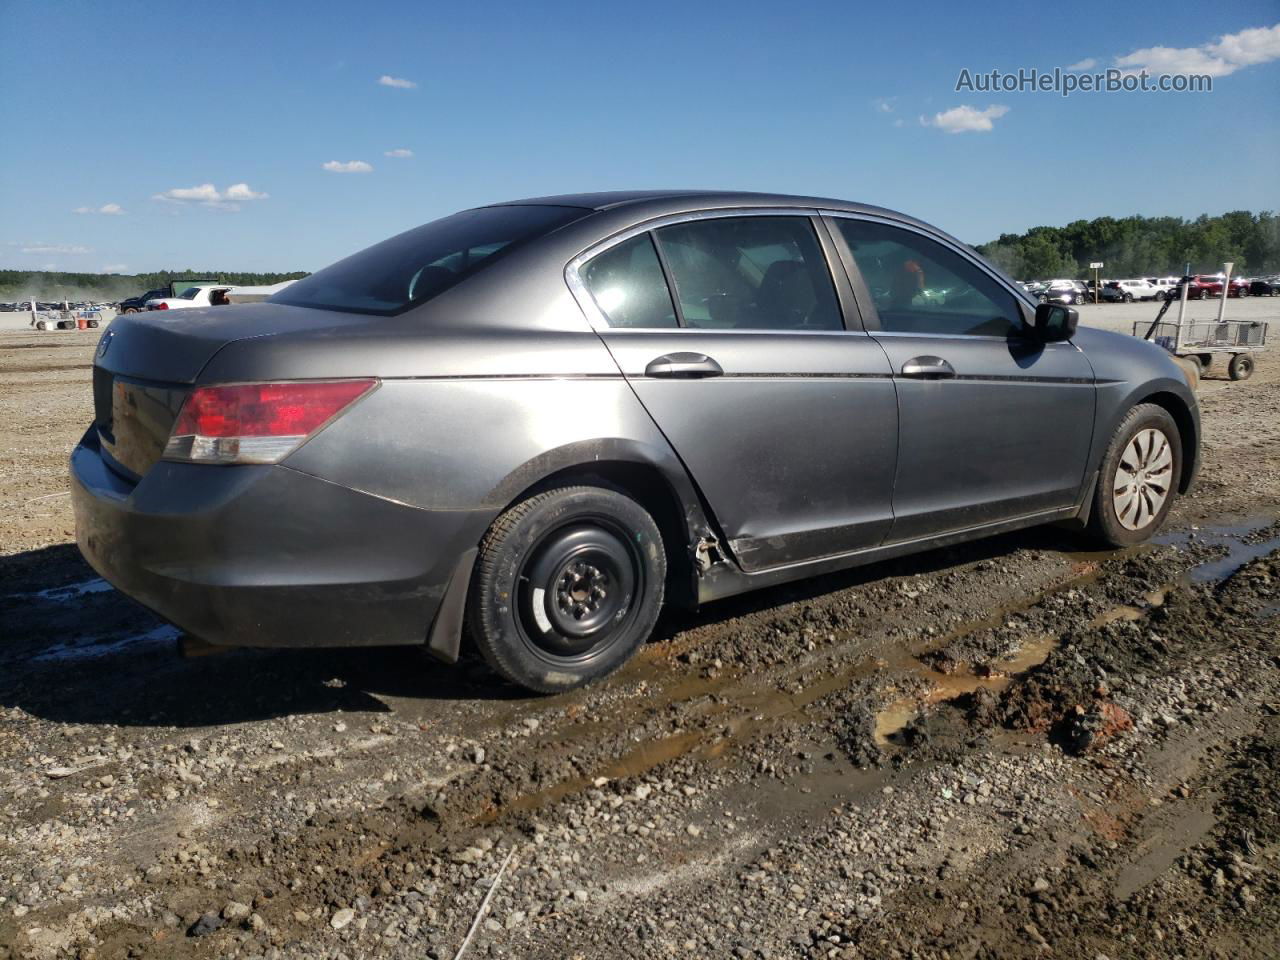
(53, 285)
(1142, 247)
(1129, 246)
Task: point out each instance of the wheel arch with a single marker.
(1188, 433)
(645, 483)
(655, 479)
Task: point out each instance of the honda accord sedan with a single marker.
(527, 426)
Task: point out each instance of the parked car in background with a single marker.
(135, 304)
(1211, 286)
(1139, 289)
(1063, 291)
(544, 420)
(1195, 289)
(1165, 286)
(1112, 292)
(200, 296)
(1264, 287)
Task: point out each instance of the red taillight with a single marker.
(161, 306)
(257, 422)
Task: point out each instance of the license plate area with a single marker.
(141, 419)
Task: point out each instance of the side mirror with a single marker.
(1055, 323)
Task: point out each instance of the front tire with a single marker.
(567, 586)
(1138, 478)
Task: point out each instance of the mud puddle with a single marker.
(734, 709)
(947, 686)
(1236, 543)
(1240, 541)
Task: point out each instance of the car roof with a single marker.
(676, 201)
(616, 210)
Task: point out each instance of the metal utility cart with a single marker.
(1200, 340)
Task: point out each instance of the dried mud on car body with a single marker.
(1000, 749)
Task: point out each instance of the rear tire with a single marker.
(1241, 367)
(567, 587)
(1138, 478)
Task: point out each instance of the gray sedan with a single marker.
(542, 420)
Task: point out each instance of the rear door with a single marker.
(993, 425)
(731, 331)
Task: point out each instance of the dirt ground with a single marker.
(1013, 748)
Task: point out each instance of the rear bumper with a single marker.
(265, 555)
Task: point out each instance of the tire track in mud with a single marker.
(721, 718)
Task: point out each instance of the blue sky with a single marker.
(183, 115)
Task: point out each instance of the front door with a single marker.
(730, 331)
(994, 425)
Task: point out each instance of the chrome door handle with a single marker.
(928, 368)
(686, 366)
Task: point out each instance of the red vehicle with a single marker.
(1212, 287)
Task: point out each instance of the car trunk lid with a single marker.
(146, 362)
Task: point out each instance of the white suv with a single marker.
(1166, 287)
(1138, 290)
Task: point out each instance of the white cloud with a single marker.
(885, 104)
(207, 195)
(351, 166)
(1231, 52)
(1088, 63)
(115, 268)
(109, 209)
(965, 119)
(399, 153)
(399, 83)
(241, 191)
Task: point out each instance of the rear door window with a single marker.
(628, 286)
(765, 273)
(408, 270)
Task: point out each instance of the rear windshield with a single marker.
(415, 266)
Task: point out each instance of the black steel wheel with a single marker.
(567, 587)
